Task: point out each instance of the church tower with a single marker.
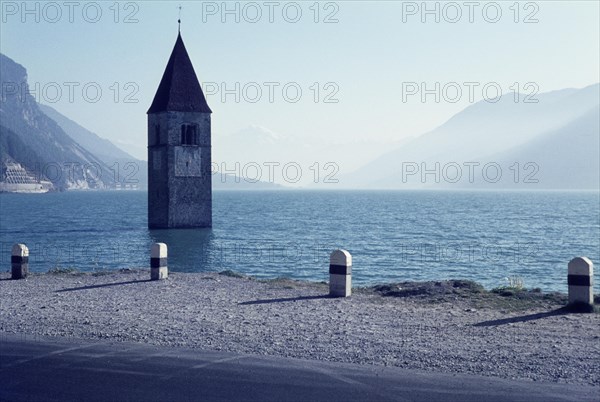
(179, 148)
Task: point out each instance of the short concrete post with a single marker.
(581, 282)
(158, 262)
(340, 274)
(19, 261)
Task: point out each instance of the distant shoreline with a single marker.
(332, 189)
(449, 327)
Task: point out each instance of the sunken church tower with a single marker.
(179, 150)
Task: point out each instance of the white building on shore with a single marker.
(15, 179)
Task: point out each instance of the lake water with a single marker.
(393, 236)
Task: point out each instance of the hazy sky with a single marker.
(363, 58)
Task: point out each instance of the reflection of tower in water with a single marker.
(190, 250)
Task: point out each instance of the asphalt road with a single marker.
(60, 369)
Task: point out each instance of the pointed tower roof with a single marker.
(179, 89)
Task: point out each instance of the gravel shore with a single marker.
(453, 334)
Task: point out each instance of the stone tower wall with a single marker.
(179, 176)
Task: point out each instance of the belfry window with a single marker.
(157, 134)
(189, 134)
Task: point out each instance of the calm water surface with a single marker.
(393, 236)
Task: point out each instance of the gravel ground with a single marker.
(296, 319)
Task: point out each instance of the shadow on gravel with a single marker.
(524, 318)
(285, 299)
(105, 285)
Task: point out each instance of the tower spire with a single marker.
(179, 89)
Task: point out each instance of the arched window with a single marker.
(189, 134)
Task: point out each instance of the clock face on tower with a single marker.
(188, 161)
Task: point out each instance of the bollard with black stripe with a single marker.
(19, 261)
(340, 274)
(581, 283)
(158, 262)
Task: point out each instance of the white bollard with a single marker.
(19, 261)
(340, 274)
(158, 262)
(581, 282)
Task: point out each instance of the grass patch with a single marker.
(433, 290)
(472, 294)
(515, 285)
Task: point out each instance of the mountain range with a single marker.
(550, 144)
(38, 143)
(128, 170)
(254, 148)
(553, 143)
(54, 148)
